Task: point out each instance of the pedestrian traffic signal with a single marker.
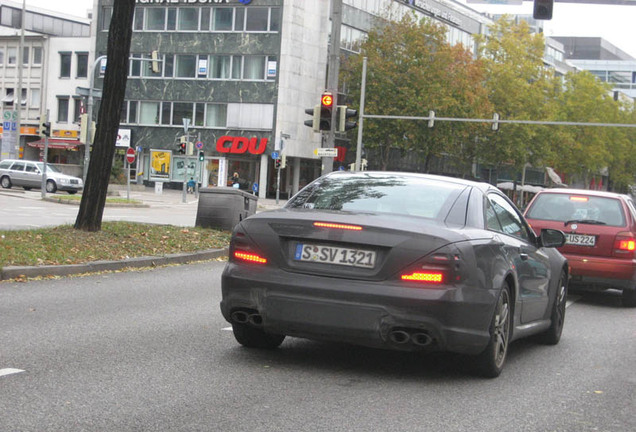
(343, 114)
(326, 108)
(277, 163)
(201, 156)
(314, 123)
(543, 9)
(181, 148)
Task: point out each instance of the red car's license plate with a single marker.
(580, 239)
(335, 255)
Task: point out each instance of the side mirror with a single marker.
(552, 238)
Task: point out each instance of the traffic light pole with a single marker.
(89, 116)
(332, 79)
(361, 118)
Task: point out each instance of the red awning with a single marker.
(57, 143)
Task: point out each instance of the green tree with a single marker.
(411, 70)
(519, 87)
(89, 217)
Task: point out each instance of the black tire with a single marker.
(491, 361)
(253, 337)
(51, 187)
(26, 188)
(71, 192)
(552, 335)
(5, 182)
(629, 298)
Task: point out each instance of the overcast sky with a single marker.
(616, 24)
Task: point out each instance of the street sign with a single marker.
(326, 152)
(130, 155)
(85, 91)
(274, 155)
(199, 145)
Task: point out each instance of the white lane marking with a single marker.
(571, 300)
(227, 329)
(9, 371)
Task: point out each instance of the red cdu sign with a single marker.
(238, 145)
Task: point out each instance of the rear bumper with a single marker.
(366, 313)
(601, 273)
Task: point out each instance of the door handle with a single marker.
(523, 256)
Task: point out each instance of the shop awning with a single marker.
(57, 143)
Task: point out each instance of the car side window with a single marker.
(17, 166)
(5, 164)
(509, 219)
(30, 168)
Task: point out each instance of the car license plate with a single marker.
(580, 239)
(335, 255)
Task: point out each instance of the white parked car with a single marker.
(28, 174)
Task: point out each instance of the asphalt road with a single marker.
(149, 351)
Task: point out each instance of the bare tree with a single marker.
(93, 201)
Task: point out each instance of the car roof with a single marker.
(588, 192)
(456, 180)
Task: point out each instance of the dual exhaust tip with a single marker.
(416, 337)
(247, 317)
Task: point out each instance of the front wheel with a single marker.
(553, 334)
(51, 187)
(252, 337)
(71, 192)
(6, 182)
(491, 361)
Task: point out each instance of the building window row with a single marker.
(81, 64)
(203, 66)
(207, 19)
(30, 55)
(351, 38)
(206, 115)
(33, 101)
(41, 23)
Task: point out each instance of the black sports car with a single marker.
(400, 261)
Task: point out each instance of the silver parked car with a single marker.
(28, 174)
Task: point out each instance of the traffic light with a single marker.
(314, 123)
(201, 156)
(283, 161)
(277, 163)
(45, 128)
(543, 9)
(326, 108)
(181, 148)
(342, 115)
(154, 64)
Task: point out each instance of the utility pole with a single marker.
(332, 78)
(17, 97)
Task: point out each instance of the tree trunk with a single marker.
(89, 217)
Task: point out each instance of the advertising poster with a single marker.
(183, 168)
(160, 164)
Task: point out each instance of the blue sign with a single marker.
(274, 155)
(255, 187)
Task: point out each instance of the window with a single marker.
(132, 112)
(37, 56)
(107, 15)
(12, 56)
(65, 65)
(250, 116)
(138, 19)
(186, 66)
(35, 98)
(508, 219)
(222, 19)
(77, 109)
(172, 19)
(25, 55)
(220, 67)
(180, 111)
(188, 19)
(165, 113)
(8, 98)
(1, 57)
(155, 18)
(256, 19)
(254, 68)
(82, 65)
(216, 115)
(149, 113)
(62, 109)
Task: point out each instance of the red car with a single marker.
(600, 230)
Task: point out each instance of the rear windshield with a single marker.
(379, 194)
(577, 208)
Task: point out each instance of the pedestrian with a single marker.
(235, 180)
(191, 185)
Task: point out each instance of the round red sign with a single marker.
(130, 155)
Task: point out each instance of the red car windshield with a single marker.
(577, 208)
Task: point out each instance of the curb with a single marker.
(7, 273)
(107, 204)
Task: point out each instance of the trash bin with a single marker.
(224, 207)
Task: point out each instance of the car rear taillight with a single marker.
(249, 257)
(624, 244)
